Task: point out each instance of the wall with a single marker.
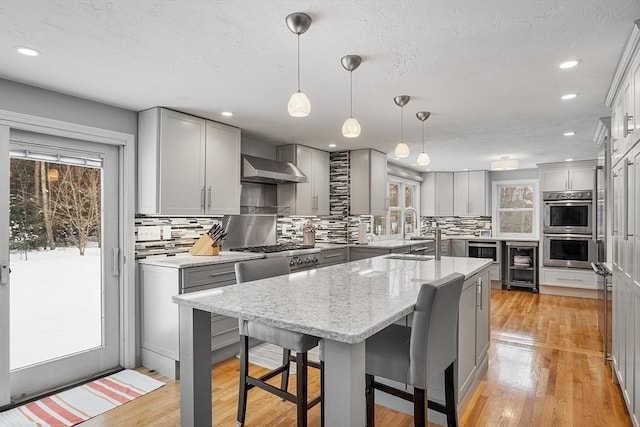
(255, 147)
(21, 98)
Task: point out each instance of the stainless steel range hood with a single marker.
(267, 171)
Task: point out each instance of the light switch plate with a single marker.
(166, 232)
(149, 233)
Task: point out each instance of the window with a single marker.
(402, 194)
(515, 208)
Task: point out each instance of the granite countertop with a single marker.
(186, 260)
(346, 302)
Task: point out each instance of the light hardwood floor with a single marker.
(545, 369)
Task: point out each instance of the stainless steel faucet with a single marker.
(404, 219)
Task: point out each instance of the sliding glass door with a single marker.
(61, 322)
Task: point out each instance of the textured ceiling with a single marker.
(487, 70)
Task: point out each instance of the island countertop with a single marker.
(345, 302)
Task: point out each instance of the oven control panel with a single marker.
(300, 262)
(567, 195)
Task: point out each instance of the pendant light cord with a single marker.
(351, 94)
(298, 62)
(401, 124)
(423, 136)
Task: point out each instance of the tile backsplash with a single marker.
(184, 232)
(455, 225)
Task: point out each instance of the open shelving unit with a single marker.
(522, 269)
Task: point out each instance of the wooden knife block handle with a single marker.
(204, 246)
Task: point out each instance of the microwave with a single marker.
(568, 212)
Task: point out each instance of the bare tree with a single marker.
(79, 201)
(49, 203)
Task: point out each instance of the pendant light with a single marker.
(504, 164)
(402, 149)
(299, 105)
(423, 158)
(351, 127)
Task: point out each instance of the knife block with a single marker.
(204, 246)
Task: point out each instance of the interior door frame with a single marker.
(12, 120)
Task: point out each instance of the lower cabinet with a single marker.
(160, 337)
(356, 253)
(333, 256)
(568, 278)
(473, 330)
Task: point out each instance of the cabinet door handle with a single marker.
(4, 274)
(625, 200)
(479, 304)
(568, 279)
(333, 256)
(202, 198)
(220, 274)
(209, 196)
(627, 118)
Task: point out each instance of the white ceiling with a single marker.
(487, 70)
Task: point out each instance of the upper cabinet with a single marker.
(567, 176)
(623, 99)
(368, 170)
(471, 193)
(311, 197)
(180, 166)
(436, 194)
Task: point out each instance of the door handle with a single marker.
(4, 274)
(479, 293)
(625, 200)
(209, 196)
(202, 203)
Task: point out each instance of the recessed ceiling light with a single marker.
(27, 51)
(428, 169)
(465, 169)
(570, 133)
(568, 160)
(569, 64)
(568, 96)
(332, 145)
(227, 113)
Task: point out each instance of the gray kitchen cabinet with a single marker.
(436, 194)
(445, 248)
(160, 319)
(471, 193)
(368, 193)
(358, 253)
(473, 330)
(560, 177)
(311, 197)
(180, 171)
(333, 256)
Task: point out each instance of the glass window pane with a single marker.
(394, 194)
(379, 225)
(394, 223)
(516, 221)
(408, 196)
(516, 196)
(410, 221)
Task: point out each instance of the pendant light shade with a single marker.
(299, 105)
(423, 158)
(351, 127)
(402, 149)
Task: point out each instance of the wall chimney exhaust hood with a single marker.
(267, 171)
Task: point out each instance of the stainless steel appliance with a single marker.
(568, 212)
(568, 250)
(605, 313)
(301, 257)
(488, 249)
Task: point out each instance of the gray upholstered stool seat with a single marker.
(288, 340)
(420, 354)
(293, 341)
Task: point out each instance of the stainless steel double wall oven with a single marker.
(568, 226)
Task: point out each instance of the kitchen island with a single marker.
(344, 304)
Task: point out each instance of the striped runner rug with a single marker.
(80, 403)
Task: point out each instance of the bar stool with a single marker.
(419, 354)
(290, 341)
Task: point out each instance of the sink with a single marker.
(409, 257)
